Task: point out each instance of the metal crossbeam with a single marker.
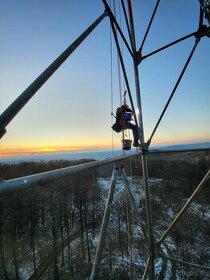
(169, 45)
(9, 186)
(168, 151)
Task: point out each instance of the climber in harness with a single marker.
(123, 118)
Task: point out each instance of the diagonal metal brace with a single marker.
(28, 93)
(99, 251)
(185, 207)
(184, 262)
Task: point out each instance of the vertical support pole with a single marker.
(148, 217)
(138, 98)
(136, 73)
(99, 251)
(143, 156)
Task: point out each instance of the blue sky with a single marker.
(73, 108)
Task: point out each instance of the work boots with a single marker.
(136, 143)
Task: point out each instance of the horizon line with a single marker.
(20, 150)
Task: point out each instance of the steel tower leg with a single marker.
(148, 217)
(99, 251)
(143, 157)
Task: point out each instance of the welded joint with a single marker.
(138, 57)
(144, 147)
(202, 31)
(106, 12)
(148, 143)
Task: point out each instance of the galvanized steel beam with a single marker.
(9, 186)
(174, 89)
(23, 98)
(104, 226)
(159, 151)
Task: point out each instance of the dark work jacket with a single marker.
(120, 111)
(118, 125)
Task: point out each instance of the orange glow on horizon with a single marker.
(11, 151)
(26, 150)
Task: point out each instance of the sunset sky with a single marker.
(73, 109)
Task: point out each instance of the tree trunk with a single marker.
(3, 256)
(82, 240)
(82, 232)
(32, 244)
(13, 238)
(119, 236)
(110, 260)
(86, 232)
(66, 226)
(42, 215)
(62, 237)
(129, 218)
(173, 271)
(55, 258)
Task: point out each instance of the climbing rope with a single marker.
(121, 81)
(111, 87)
